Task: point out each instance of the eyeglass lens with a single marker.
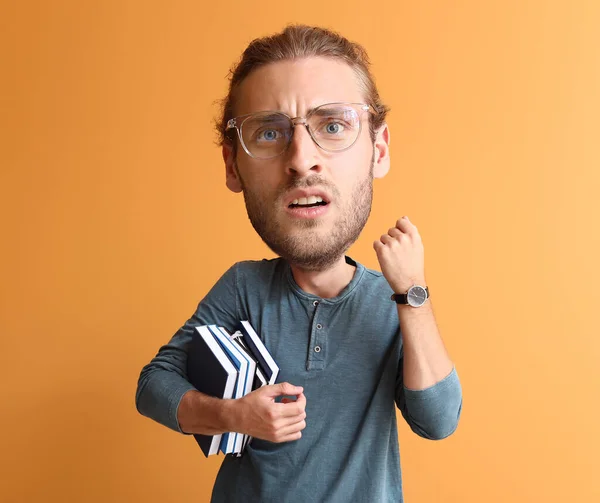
(332, 127)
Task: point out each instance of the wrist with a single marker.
(403, 286)
(229, 415)
(185, 413)
(206, 415)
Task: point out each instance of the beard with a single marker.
(311, 251)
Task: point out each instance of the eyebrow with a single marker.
(270, 116)
(327, 111)
(273, 115)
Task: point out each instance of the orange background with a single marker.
(115, 221)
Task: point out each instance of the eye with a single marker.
(334, 128)
(268, 135)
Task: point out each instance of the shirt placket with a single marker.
(318, 338)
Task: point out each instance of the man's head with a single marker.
(295, 73)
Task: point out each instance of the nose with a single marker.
(303, 156)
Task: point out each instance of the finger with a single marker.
(301, 399)
(285, 411)
(378, 246)
(285, 422)
(386, 239)
(405, 225)
(291, 429)
(289, 438)
(291, 409)
(301, 403)
(395, 232)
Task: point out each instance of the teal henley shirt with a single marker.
(347, 353)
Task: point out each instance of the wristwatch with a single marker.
(416, 296)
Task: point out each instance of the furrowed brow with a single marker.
(324, 112)
(270, 117)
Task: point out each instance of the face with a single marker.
(315, 236)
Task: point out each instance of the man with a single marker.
(303, 135)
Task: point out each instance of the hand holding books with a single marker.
(239, 367)
(262, 417)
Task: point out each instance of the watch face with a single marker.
(416, 296)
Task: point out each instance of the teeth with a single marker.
(308, 200)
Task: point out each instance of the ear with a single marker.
(231, 177)
(382, 152)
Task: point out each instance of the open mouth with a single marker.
(308, 202)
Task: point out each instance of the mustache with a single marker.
(305, 183)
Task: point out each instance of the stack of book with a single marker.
(227, 365)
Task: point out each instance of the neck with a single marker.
(327, 283)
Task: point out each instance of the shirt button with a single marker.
(317, 349)
(316, 303)
(319, 326)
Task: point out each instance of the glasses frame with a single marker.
(237, 123)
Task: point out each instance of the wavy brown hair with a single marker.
(301, 41)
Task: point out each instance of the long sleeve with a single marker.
(163, 381)
(434, 412)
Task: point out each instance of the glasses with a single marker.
(334, 127)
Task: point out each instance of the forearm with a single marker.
(206, 415)
(430, 395)
(426, 361)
